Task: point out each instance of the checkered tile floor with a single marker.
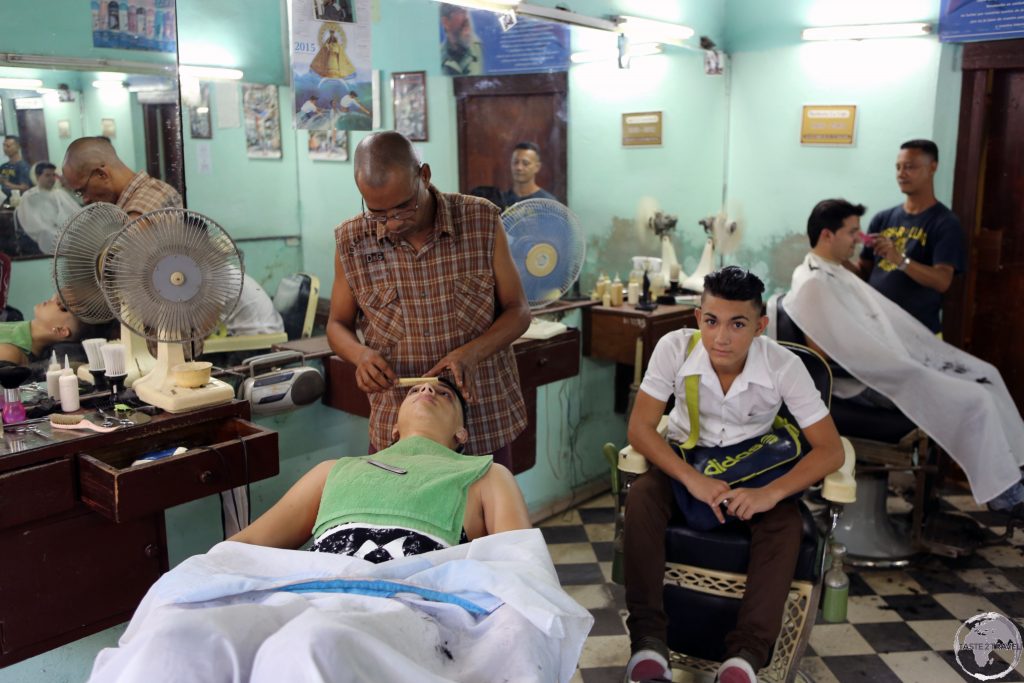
(900, 624)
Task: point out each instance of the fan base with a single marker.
(174, 399)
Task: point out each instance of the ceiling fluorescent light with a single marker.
(651, 29)
(210, 73)
(20, 83)
(492, 5)
(634, 50)
(861, 32)
(108, 85)
(81, 64)
(566, 17)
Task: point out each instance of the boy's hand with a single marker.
(710, 491)
(745, 503)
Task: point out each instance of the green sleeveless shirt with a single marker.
(17, 333)
(429, 498)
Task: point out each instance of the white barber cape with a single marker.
(489, 610)
(960, 401)
(43, 213)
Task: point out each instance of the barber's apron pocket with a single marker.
(474, 303)
(385, 323)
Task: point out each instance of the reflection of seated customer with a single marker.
(350, 506)
(743, 380)
(960, 401)
(25, 341)
(14, 173)
(45, 208)
(255, 312)
(525, 167)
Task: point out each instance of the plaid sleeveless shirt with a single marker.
(416, 307)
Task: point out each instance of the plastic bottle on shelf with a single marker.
(616, 292)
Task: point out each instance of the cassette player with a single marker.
(276, 384)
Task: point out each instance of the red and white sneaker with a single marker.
(648, 666)
(736, 670)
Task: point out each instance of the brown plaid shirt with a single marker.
(145, 194)
(415, 307)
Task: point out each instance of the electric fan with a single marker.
(546, 241)
(77, 260)
(168, 275)
(724, 235)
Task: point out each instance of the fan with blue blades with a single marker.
(547, 246)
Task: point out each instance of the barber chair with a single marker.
(705, 571)
(885, 441)
(295, 300)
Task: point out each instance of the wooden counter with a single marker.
(540, 361)
(610, 333)
(82, 533)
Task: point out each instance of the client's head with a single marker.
(436, 411)
(833, 228)
(53, 322)
(731, 314)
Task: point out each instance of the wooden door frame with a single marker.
(979, 62)
(556, 83)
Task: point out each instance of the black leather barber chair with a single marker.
(705, 571)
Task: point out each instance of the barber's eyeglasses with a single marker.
(80, 192)
(395, 214)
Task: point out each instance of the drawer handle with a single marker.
(206, 477)
(152, 551)
(542, 361)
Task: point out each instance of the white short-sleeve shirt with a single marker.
(772, 375)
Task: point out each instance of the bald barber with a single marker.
(94, 173)
(428, 278)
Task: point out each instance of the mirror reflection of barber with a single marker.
(526, 164)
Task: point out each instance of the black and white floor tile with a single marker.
(900, 623)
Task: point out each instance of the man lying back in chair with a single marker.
(413, 497)
(743, 379)
(897, 362)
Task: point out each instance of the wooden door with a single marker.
(496, 112)
(162, 126)
(983, 314)
(32, 133)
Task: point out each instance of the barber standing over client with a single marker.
(429, 280)
(918, 245)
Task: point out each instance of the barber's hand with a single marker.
(884, 247)
(709, 490)
(373, 373)
(745, 503)
(462, 363)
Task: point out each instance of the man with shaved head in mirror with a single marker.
(428, 279)
(94, 173)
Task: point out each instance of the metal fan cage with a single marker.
(77, 256)
(169, 275)
(547, 245)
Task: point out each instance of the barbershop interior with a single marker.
(190, 370)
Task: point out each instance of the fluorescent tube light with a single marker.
(566, 17)
(210, 73)
(652, 29)
(108, 85)
(492, 5)
(634, 50)
(20, 83)
(861, 32)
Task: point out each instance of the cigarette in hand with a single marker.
(413, 381)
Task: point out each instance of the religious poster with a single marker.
(475, 42)
(262, 121)
(331, 64)
(963, 21)
(328, 145)
(134, 24)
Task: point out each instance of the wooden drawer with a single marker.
(36, 492)
(222, 454)
(543, 361)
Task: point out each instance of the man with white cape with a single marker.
(960, 401)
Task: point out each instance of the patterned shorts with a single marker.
(377, 544)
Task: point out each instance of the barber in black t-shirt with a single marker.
(918, 246)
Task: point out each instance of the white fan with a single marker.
(77, 259)
(546, 241)
(168, 275)
(724, 236)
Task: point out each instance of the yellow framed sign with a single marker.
(831, 124)
(641, 129)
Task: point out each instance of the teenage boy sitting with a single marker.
(744, 379)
